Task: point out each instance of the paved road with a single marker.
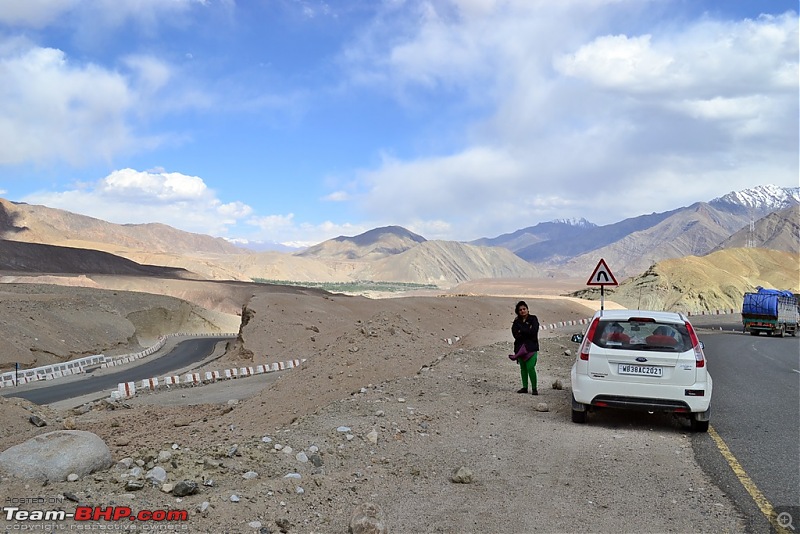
(756, 412)
(181, 356)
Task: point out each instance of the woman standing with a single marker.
(525, 330)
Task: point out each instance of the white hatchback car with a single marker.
(643, 360)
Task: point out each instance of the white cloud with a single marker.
(33, 13)
(52, 110)
(128, 196)
(623, 62)
(585, 125)
(41, 13)
(285, 230)
(337, 196)
(151, 73)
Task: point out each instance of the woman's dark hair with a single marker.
(520, 304)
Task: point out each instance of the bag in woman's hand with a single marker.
(522, 354)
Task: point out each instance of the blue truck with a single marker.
(772, 311)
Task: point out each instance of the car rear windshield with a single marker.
(646, 335)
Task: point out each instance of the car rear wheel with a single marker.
(579, 415)
(698, 426)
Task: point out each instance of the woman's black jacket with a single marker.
(526, 332)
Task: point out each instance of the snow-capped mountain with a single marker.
(580, 223)
(760, 200)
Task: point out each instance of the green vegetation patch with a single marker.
(357, 286)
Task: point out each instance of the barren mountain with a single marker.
(634, 244)
(687, 232)
(40, 224)
(393, 254)
(37, 258)
(447, 263)
(779, 230)
(374, 244)
(713, 282)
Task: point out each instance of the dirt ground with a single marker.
(394, 397)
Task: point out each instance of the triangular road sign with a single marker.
(602, 275)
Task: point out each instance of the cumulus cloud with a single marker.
(580, 120)
(52, 110)
(130, 196)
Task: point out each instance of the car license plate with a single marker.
(642, 370)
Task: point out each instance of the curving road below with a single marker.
(183, 355)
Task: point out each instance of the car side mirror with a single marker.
(577, 338)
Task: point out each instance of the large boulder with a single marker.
(55, 455)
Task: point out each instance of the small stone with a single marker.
(462, 475)
(542, 407)
(343, 429)
(73, 477)
(184, 488)
(368, 518)
(372, 436)
(37, 421)
(235, 498)
(254, 524)
(156, 476)
(167, 487)
(134, 485)
(250, 475)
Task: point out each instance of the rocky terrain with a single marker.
(404, 406)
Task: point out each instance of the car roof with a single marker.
(658, 316)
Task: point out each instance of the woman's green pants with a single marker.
(529, 369)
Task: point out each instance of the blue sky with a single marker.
(295, 121)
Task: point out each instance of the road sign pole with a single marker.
(602, 299)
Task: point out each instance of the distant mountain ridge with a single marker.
(375, 244)
(759, 200)
(632, 245)
(556, 249)
(40, 224)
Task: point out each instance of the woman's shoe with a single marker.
(535, 392)
(523, 390)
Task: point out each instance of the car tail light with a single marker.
(587, 340)
(698, 350)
